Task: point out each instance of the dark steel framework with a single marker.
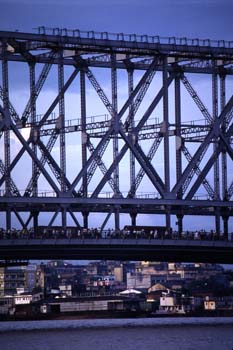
(196, 156)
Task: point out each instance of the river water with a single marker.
(119, 334)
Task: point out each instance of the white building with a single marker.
(168, 304)
(27, 298)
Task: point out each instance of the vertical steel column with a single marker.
(33, 121)
(216, 164)
(62, 133)
(180, 223)
(35, 215)
(166, 136)
(34, 133)
(85, 219)
(117, 218)
(115, 136)
(83, 127)
(131, 125)
(84, 140)
(7, 158)
(178, 132)
(224, 157)
(133, 219)
(225, 226)
(178, 145)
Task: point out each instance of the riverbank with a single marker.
(114, 315)
(113, 323)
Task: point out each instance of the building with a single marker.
(11, 278)
(46, 278)
(138, 280)
(176, 304)
(95, 304)
(27, 298)
(6, 304)
(224, 303)
(118, 273)
(66, 289)
(9, 304)
(31, 277)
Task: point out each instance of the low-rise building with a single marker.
(224, 303)
(93, 304)
(27, 298)
(176, 304)
(6, 303)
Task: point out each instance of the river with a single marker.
(119, 334)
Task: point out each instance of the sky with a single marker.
(203, 19)
(183, 18)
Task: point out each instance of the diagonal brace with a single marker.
(125, 147)
(213, 133)
(35, 159)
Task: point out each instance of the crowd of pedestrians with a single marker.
(128, 232)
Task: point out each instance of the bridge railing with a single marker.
(122, 37)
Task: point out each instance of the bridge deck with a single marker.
(118, 249)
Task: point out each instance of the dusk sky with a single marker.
(190, 18)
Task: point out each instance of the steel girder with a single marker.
(124, 138)
(117, 249)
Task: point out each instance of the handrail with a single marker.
(138, 38)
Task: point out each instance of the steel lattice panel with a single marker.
(159, 144)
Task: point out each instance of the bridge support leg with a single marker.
(117, 219)
(217, 223)
(180, 223)
(64, 218)
(225, 227)
(133, 219)
(8, 219)
(168, 219)
(35, 220)
(85, 219)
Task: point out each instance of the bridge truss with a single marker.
(148, 131)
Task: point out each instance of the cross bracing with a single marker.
(148, 131)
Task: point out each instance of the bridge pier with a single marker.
(8, 219)
(180, 223)
(35, 215)
(225, 226)
(217, 223)
(133, 219)
(117, 219)
(168, 219)
(64, 218)
(85, 219)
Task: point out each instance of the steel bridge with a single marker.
(159, 129)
